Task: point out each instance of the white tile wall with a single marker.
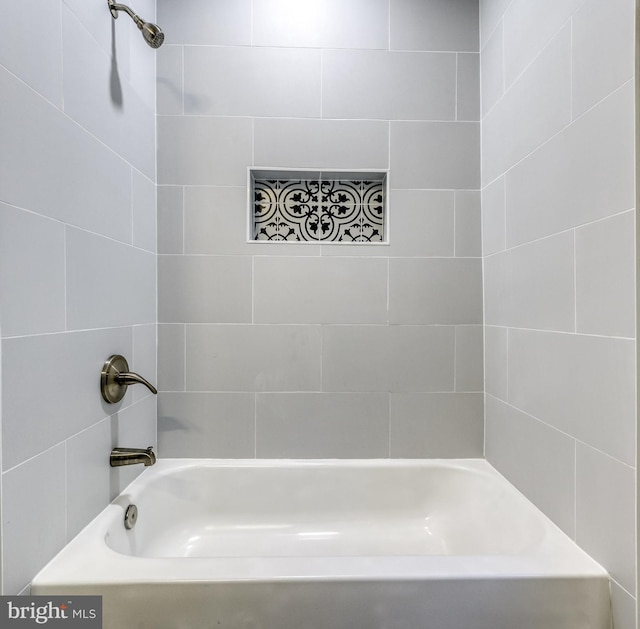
(532, 286)
(321, 144)
(78, 278)
(434, 25)
(380, 84)
(206, 425)
(211, 89)
(33, 299)
(322, 425)
(559, 269)
(593, 177)
(320, 290)
(36, 60)
(436, 425)
(335, 329)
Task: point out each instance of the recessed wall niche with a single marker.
(318, 206)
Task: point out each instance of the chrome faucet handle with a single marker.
(116, 377)
(129, 377)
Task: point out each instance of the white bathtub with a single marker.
(329, 545)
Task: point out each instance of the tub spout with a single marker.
(132, 456)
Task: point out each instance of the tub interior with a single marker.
(265, 510)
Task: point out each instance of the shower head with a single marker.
(152, 33)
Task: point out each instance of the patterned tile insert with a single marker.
(322, 209)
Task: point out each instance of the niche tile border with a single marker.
(300, 206)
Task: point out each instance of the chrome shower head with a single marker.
(152, 33)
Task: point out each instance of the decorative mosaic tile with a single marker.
(351, 211)
(285, 209)
(327, 210)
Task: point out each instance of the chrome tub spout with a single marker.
(132, 456)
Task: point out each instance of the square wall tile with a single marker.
(436, 425)
(206, 425)
(322, 425)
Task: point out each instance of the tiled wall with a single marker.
(77, 265)
(559, 267)
(309, 350)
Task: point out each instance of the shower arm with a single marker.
(115, 7)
